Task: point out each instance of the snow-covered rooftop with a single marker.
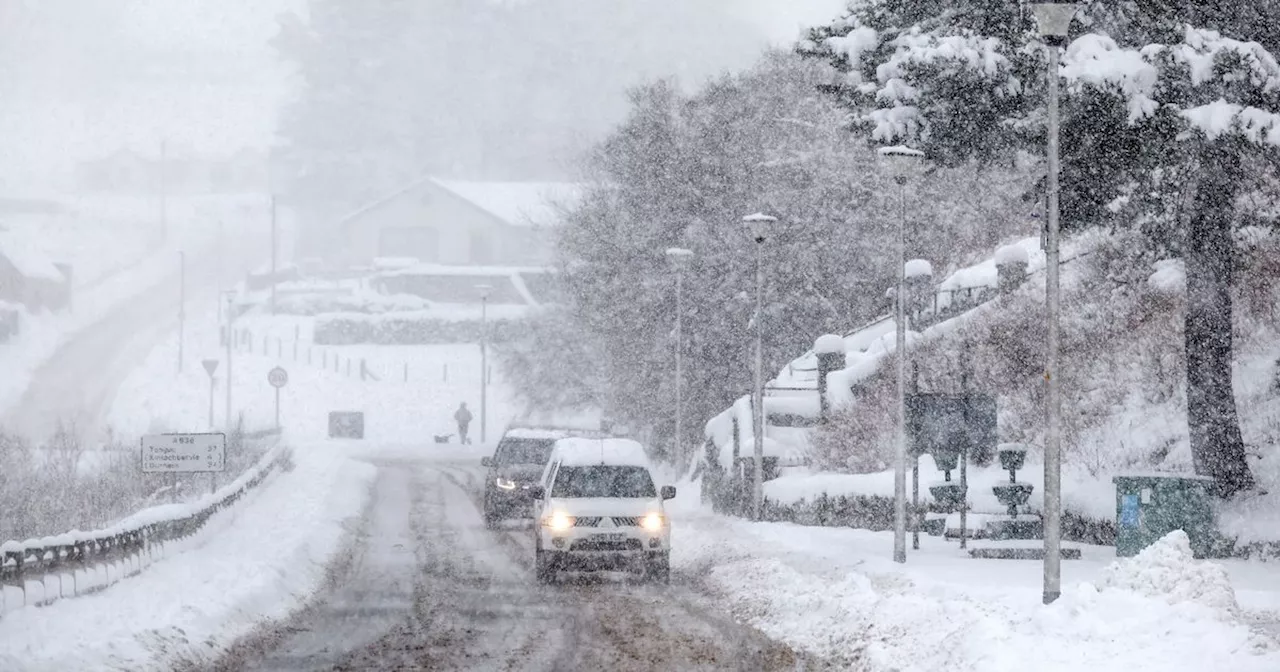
(514, 203)
(517, 203)
(27, 258)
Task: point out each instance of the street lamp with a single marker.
(759, 224)
(901, 163)
(484, 355)
(1054, 22)
(680, 259)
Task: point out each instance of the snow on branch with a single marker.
(1097, 61)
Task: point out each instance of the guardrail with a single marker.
(122, 550)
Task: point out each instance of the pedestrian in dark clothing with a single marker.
(463, 417)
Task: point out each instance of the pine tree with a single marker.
(1153, 109)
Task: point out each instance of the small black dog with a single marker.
(442, 438)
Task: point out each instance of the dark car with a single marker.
(516, 465)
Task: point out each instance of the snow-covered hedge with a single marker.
(370, 303)
(405, 329)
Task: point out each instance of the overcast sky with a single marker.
(81, 78)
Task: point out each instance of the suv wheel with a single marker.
(542, 568)
(658, 568)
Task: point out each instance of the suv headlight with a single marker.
(558, 521)
(505, 484)
(653, 522)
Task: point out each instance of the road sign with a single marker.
(278, 377)
(184, 453)
(210, 365)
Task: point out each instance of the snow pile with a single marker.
(828, 343)
(1012, 254)
(916, 268)
(1167, 570)
(1170, 276)
(800, 608)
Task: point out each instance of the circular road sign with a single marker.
(278, 377)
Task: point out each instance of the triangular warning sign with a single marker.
(210, 365)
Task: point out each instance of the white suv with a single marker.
(597, 508)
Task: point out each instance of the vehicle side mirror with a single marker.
(668, 492)
(537, 491)
(486, 461)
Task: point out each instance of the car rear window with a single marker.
(524, 451)
(603, 481)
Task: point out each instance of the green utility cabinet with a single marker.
(1150, 506)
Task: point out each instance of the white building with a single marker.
(439, 221)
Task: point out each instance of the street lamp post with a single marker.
(1054, 22)
(900, 163)
(484, 357)
(680, 259)
(759, 224)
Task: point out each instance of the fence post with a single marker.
(295, 351)
(406, 372)
(446, 373)
(265, 345)
(363, 370)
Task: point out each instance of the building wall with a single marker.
(437, 227)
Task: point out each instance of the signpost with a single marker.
(278, 378)
(210, 365)
(185, 454)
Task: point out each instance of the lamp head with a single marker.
(900, 162)
(759, 225)
(1053, 20)
(679, 257)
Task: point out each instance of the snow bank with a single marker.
(837, 594)
(1167, 570)
(258, 560)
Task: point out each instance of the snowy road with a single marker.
(428, 587)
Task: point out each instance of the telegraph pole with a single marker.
(274, 243)
(164, 191)
(182, 305)
(230, 349)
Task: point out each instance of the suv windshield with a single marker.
(603, 481)
(524, 451)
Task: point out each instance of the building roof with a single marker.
(28, 259)
(517, 203)
(513, 203)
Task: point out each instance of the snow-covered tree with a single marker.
(1165, 124)
(682, 171)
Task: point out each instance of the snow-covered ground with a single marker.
(835, 592)
(259, 560)
(157, 398)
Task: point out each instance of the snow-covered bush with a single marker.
(407, 329)
(365, 302)
(1123, 372)
(1167, 570)
(56, 485)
